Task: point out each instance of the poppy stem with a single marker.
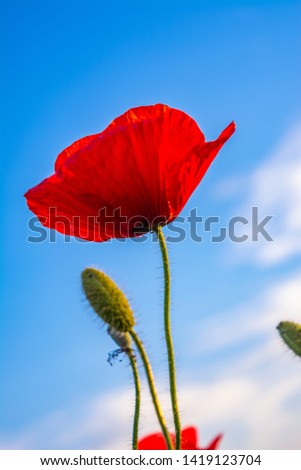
(137, 399)
(168, 338)
(152, 388)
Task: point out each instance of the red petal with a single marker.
(214, 443)
(72, 149)
(189, 439)
(57, 205)
(145, 164)
(187, 174)
(152, 442)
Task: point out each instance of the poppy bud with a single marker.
(290, 332)
(108, 301)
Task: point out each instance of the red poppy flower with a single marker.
(135, 175)
(189, 441)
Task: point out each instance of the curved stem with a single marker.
(137, 399)
(168, 338)
(152, 388)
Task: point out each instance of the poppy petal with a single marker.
(188, 441)
(57, 206)
(214, 443)
(154, 441)
(72, 149)
(140, 170)
(187, 175)
(189, 438)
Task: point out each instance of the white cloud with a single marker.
(253, 396)
(251, 416)
(257, 318)
(275, 188)
(243, 346)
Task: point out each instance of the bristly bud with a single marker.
(290, 332)
(122, 339)
(108, 301)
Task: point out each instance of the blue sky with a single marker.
(69, 69)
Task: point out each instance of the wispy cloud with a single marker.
(274, 187)
(254, 367)
(251, 415)
(253, 396)
(254, 318)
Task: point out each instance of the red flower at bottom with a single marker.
(156, 441)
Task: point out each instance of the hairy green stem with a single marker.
(168, 338)
(152, 388)
(137, 399)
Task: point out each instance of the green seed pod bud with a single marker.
(123, 340)
(108, 301)
(290, 332)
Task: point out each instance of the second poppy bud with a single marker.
(107, 300)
